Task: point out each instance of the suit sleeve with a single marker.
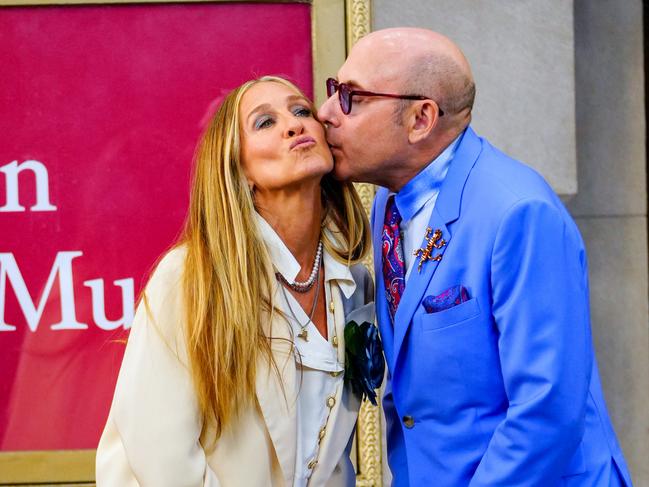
(155, 408)
(540, 307)
(394, 434)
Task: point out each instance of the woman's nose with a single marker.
(293, 128)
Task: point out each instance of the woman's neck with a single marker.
(296, 217)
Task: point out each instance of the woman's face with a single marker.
(283, 146)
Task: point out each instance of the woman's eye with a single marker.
(263, 122)
(302, 111)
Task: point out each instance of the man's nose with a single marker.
(327, 112)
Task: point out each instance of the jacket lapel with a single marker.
(418, 281)
(277, 397)
(446, 211)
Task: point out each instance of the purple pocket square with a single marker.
(446, 299)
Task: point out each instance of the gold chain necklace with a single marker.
(303, 334)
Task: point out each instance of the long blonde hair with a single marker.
(228, 275)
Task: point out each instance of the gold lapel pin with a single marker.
(434, 241)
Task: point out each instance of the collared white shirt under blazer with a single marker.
(151, 437)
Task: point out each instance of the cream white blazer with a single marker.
(151, 437)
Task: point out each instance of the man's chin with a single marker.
(340, 173)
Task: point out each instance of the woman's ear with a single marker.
(249, 181)
(422, 121)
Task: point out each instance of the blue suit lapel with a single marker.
(418, 282)
(446, 211)
(382, 312)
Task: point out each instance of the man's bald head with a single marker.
(422, 62)
(386, 141)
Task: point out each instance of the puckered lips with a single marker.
(333, 146)
(302, 142)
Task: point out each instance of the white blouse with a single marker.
(320, 374)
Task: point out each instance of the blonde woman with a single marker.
(234, 370)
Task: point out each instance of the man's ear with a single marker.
(424, 116)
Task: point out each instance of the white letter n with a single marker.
(11, 171)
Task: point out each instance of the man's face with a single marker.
(366, 143)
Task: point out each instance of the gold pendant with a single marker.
(304, 335)
(435, 241)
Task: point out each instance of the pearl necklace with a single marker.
(305, 286)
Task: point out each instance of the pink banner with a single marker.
(100, 111)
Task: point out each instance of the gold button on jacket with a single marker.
(408, 421)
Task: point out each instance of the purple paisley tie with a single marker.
(394, 268)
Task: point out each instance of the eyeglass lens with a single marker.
(344, 94)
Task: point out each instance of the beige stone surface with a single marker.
(522, 54)
(617, 252)
(610, 109)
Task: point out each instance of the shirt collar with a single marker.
(337, 271)
(416, 193)
(287, 265)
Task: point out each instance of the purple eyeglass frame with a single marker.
(345, 94)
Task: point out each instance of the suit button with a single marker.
(408, 421)
(331, 401)
(312, 464)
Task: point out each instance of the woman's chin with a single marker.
(316, 169)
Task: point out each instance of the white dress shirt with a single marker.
(320, 372)
(416, 200)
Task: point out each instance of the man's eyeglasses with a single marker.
(345, 94)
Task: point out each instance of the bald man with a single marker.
(482, 282)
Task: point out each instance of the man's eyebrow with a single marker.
(353, 84)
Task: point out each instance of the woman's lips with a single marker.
(303, 142)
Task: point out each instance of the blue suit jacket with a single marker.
(503, 388)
